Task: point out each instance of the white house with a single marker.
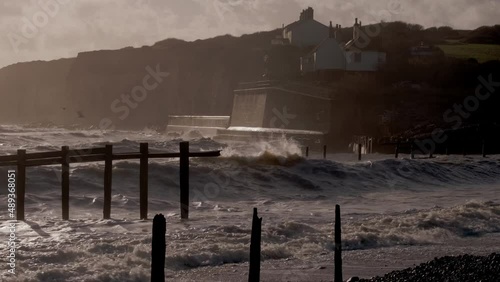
(328, 55)
(333, 55)
(306, 31)
(364, 60)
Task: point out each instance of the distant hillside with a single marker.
(35, 91)
(202, 75)
(82, 90)
(484, 35)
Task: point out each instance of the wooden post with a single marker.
(108, 170)
(307, 152)
(338, 246)
(143, 181)
(396, 155)
(412, 153)
(324, 152)
(430, 154)
(158, 247)
(254, 273)
(65, 182)
(483, 148)
(464, 151)
(184, 179)
(360, 146)
(21, 183)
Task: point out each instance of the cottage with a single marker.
(306, 31)
(332, 55)
(328, 55)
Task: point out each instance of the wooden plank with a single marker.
(41, 162)
(143, 181)
(184, 179)
(338, 247)
(8, 158)
(11, 163)
(43, 155)
(87, 159)
(108, 170)
(65, 182)
(255, 240)
(21, 183)
(164, 155)
(87, 151)
(204, 154)
(158, 248)
(126, 156)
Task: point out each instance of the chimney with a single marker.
(311, 13)
(359, 23)
(355, 30)
(338, 34)
(332, 31)
(307, 14)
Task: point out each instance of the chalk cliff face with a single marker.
(34, 92)
(138, 87)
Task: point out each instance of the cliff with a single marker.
(130, 88)
(34, 92)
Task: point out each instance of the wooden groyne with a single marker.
(65, 157)
(159, 245)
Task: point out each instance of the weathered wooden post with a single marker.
(464, 150)
(158, 247)
(65, 182)
(254, 273)
(307, 152)
(324, 152)
(338, 246)
(143, 180)
(108, 170)
(184, 179)
(483, 148)
(360, 147)
(21, 183)
(396, 155)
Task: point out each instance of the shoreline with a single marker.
(365, 264)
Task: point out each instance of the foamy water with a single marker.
(385, 202)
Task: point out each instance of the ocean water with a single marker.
(385, 202)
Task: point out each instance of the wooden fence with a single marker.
(65, 157)
(158, 247)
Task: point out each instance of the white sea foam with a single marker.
(385, 202)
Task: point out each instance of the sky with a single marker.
(51, 29)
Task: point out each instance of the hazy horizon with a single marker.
(65, 28)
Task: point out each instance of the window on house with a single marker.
(357, 57)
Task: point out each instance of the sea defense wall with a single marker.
(271, 109)
(206, 125)
(281, 105)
